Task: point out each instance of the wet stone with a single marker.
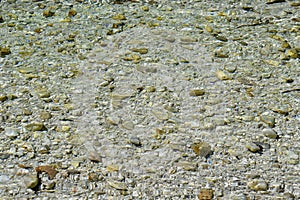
(269, 120)
(188, 166)
(4, 51)
(119, 17)
(206, 194)
(35, 126)
(202, 149)
(221, 75)
(48, 13)
(94, 156)
(257, 185)
(129, 125)
(270, 133)
(188, 39)
(30, 181)
(254, 148)
(11, 132)
(135, 141)
(3, 97)
(140, 50)
(161, 115)
(45, 115)
(117, 184)
(196, 92)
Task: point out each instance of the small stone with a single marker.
(206, 194)
(44, 115)
(129, 125)
(274, 1)
(221, 38)
(196, 92)
(65, 128)
(113, 120)
(135, 141)
(12, 96)
(4, 51)
(202, 149)
(221, 53)
(27, 70)
(1, 19)
(35, 126)
(72, 13)
(75, 163)
(150, 89)
(281, 109)
(269, 120)
(257, 185)
(48, 13)
(208, 28)
(112, 168)
(119, 17)
(11, 132)
(145, 8)
(42, 93)
(230, 68)
(94, 156)
(270, 133)
(188, 166)
(292, 53)
(254, 148)
(48, 169)
(221, 75)
(3, 97)
(160, 114)
(31, 181)
(170, 38)
(117, 185)
(188, 39)
(295, 4)
(292, 157)
(140, 50)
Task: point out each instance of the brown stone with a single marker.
(206, 194)
(48, 169)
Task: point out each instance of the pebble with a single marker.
(129, 125)
(11, 132)
(188, 166)
(258, 185)
(135, 140)
(202, 149)
(161, 115)
(44, 115)
(140, 50)
(270, 133)
(94, 156)
(206, 194)
(117, 184)
(196, 92)
(292, 157)
(35, 126)
(119, 17)
(254, 148)
(221, 75)
(269, 120)
(48, 13)
(31, 181)
(4, 51)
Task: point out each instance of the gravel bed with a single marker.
(149, 99)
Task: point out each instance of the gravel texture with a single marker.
(149, 99)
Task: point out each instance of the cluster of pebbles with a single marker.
(149, 99)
